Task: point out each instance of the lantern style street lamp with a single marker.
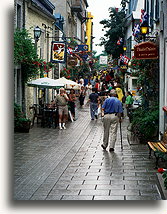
(37, 33)
(124, 48)
(144, 30)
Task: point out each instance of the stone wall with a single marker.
(45, 23)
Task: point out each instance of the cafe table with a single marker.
(49, 117)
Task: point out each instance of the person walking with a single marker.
(128, 102)
(61, 101)
(93, 100)
(72, 99)
(97, 85)
(119, 92)
(82, 96)
(89, 88)
(112, 111)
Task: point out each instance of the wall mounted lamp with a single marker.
(144, 29)
(37, 33)
(124, 48)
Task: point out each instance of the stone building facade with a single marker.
(28, 15)
(163, 63)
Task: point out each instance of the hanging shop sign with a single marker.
(103, 60)
(58, 52)
(146, 50)
(81, 48)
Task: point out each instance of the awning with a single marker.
(45, 83)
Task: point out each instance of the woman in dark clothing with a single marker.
(82, 96)
(72, 99)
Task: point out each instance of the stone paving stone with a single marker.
(66, 183)
(54, 197)
(94, 192)
(119, 182)
(107, 173)
(78, 197)
(91, 171)
(124, 192)
(113, 177)
(38, 197)
(135, 170)
(147, 167)
(149, 192)
(139, 187)
(64, 192)
(93, 177)
(80, 187)
(61, 186)
(141, 174)
(146, 182)
(97, 182)
(123, 173)
(109, 187)
(110, 197)
(139, 197)
(114, 170)
(136, 178)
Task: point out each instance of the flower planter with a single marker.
(25, 128)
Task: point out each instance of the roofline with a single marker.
(33, 6)
(50, 4)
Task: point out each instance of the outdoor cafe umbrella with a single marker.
(69, 84)
(45, 83)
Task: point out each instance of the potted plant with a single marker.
(162, 178)
(21, 123)
(144, 124)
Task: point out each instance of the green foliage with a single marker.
(72, 43)
(148, 81)
(164, 175)
(24, 50)
(19, 117)
(164, 157)
(161, 155)
(145, 123)
(25, 54)
(114, 30)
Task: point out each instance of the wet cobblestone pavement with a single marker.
(53, 164)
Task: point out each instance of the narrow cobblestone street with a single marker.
(53, 164)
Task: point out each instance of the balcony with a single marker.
(76, 6)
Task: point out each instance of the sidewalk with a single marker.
(53, 164)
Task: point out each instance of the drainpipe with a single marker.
(24, 13)
(23, 84)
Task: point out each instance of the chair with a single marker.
(37, 113)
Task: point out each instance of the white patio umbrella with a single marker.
(69, 84)
(45, 83)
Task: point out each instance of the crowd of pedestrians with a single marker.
(105, 96)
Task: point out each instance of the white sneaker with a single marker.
(60, 128)
(63, 127)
